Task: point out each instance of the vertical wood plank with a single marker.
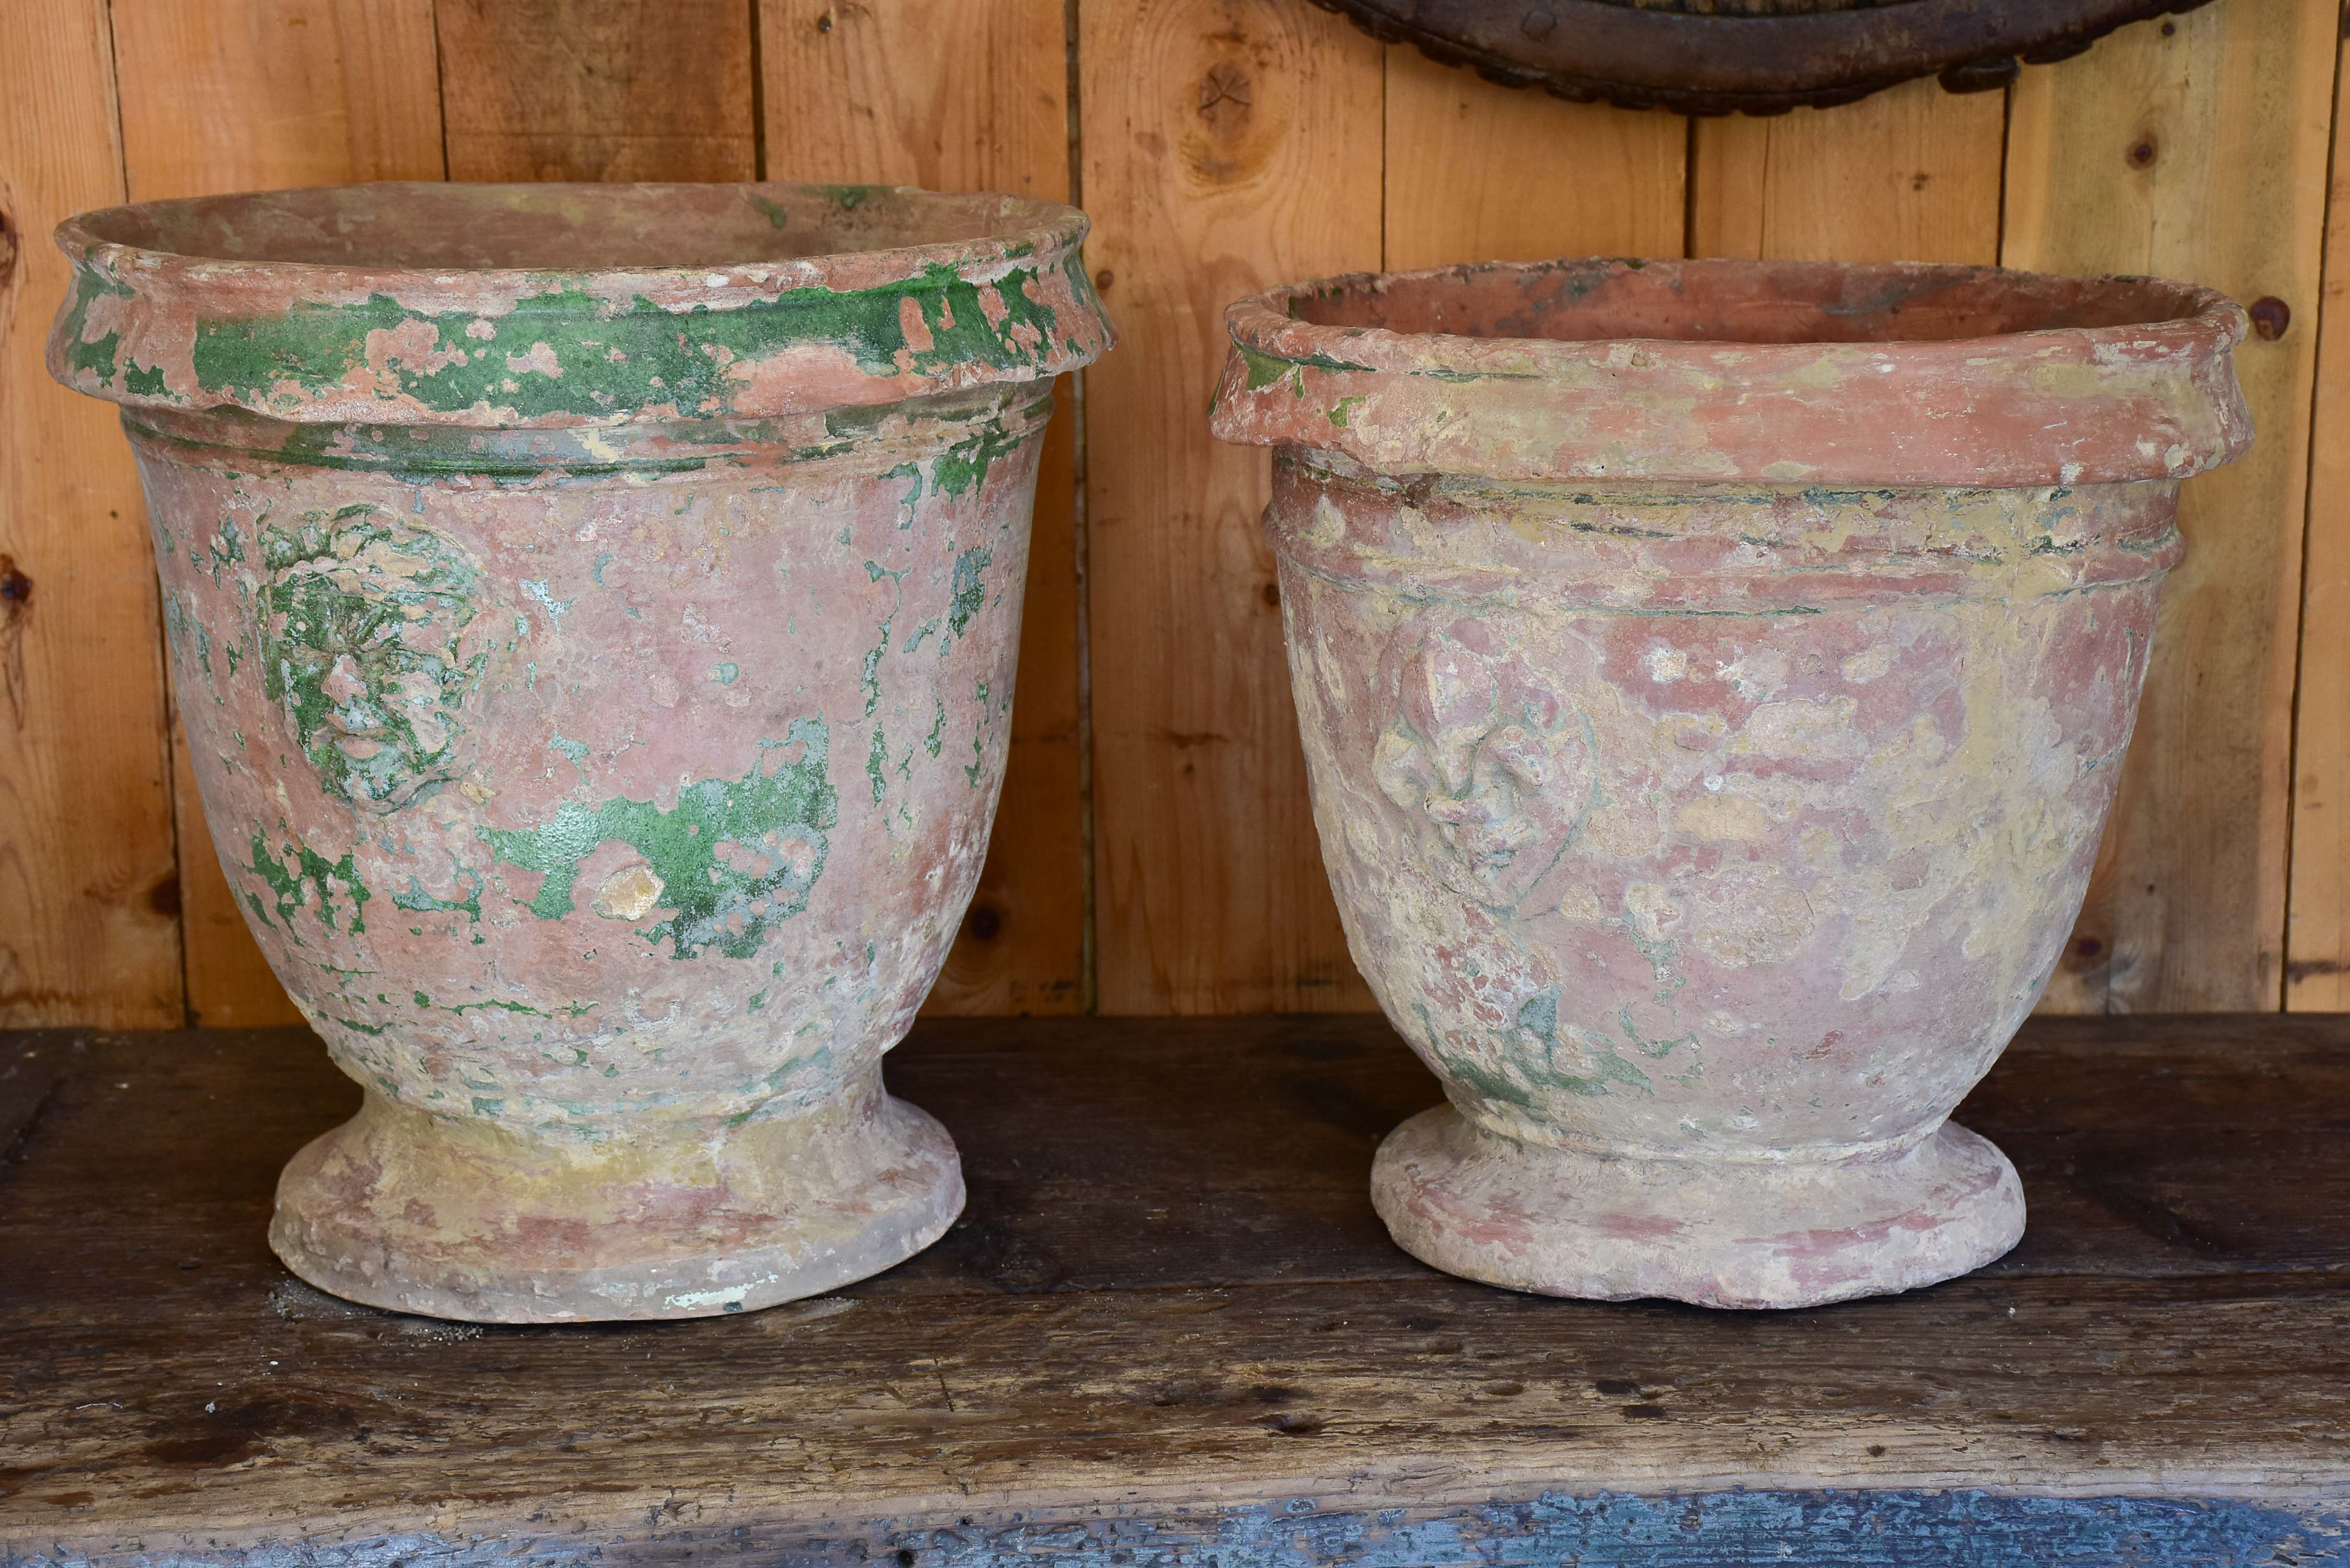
(1909, 174)
(89, 901)
(597, 89)
(244, 95)
(2318, 927)
(241, 95)
(1481, 172)
(941, 93)
(1228, 145)
(960, 96)
(2196, 147)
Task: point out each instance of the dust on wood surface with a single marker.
(1168, 1293)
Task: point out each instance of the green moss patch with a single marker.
(736, 857)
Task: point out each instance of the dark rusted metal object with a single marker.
(1751, 56)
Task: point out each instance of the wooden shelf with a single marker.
(1169, 1329)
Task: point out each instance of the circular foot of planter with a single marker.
(1565, 1223)
(460, 1219)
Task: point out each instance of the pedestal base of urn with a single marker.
(1746, 1234)
(665, 1218)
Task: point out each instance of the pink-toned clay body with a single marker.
(593, 613)
(1714, 678)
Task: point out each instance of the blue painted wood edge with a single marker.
(1961, 1529)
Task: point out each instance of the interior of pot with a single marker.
(434, 226)
(1740, 302)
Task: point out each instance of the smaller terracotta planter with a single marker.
(1714, 678)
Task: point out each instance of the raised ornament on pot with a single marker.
(1714, 677)
(593, 609)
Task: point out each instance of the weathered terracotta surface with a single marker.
(594, 609)
(1713, 677)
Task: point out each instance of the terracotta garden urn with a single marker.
(1713, 679)
(593, 612)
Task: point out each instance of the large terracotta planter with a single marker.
(1714, 677)
(593, 610)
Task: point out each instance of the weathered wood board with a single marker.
(1228, 145)
(1456, 186)
(2196, 147)
(1911, 174)
(597, 89)
(2317, 918)
(1170, 1326)
(242, 95)
(90, 927)
(971, 98)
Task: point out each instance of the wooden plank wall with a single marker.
(87, 893)
(1154, 853)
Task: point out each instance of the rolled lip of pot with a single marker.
(1899, 374)
(523, 306)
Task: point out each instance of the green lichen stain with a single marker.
(736, 857)
(978, 739)
(176, 621)
(876, 758)
(964, 466)
(573, 1010)
(870, 680)
(360, 627)
(555, 606)
(414, 898)
(969, 589)
(1265, 370)
(226, 549)
(1470, 1070)
(146, 383)
(1492, 1086)
(1538, 1016)
(576, 751)
(1658, 1049)
(98, 357)
(298, 878)
(936, 737)
(610, 356)
(770, 211)
(913, 477)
